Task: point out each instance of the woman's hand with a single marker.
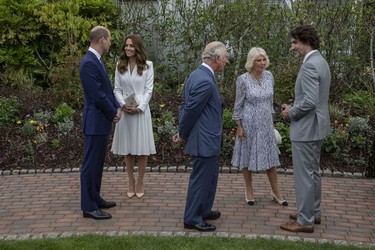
(130, 109)
(241, 132)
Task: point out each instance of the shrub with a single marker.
(43, 117)
(62, 112)
(228, 121)
(9, 109)
(65, 126)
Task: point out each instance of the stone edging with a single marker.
(187, 234)
(171, 169)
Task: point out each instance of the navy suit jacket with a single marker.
(100, 105)
(200, 118)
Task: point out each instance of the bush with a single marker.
(62, 112)
(9, 109)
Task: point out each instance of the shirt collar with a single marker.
(207, 66)
(308, 54)
(95, 52)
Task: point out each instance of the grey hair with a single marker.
(214, 49)
(252, 55)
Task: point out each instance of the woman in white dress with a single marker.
(255, 146)
(133, 137)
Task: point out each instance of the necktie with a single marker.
(102, 63)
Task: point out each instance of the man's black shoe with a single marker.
(107, 204)
(214, 215)
(204, 227)
(97, 215)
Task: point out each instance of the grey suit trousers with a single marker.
(307, 179)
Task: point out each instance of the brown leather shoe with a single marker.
(295, 227)
(294, 216)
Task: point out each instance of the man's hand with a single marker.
(118, 116)
(285, 111)
(177, 139)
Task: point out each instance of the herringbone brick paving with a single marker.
(49, 203)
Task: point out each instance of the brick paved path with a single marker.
(45, 204)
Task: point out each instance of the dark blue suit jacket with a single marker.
(200, 118)
(100, 105)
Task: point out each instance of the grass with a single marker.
(100, 242)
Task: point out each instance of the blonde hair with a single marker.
(252, 55)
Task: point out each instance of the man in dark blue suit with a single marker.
(200, 128)
(100, 110)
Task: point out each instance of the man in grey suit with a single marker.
(200, 128)
(309, 125)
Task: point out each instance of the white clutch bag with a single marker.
(278, 137)
(132, 99)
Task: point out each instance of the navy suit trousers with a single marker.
(92, 171)
(202, 189)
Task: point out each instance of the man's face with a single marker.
(221, 62)
(106, 41)
(299, 48)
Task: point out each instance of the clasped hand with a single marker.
(285, 111)
(117, 118)
(130, 109)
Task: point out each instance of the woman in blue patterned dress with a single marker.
(255, 147)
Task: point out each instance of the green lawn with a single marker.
(97, 242)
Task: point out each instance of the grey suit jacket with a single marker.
(309, 115)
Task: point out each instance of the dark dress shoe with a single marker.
(97, 215)
(296, 227)
(214, 215)
(294, 216)
(203, 226)
(107, 204)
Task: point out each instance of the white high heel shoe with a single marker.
(249, 202)
(281, 202)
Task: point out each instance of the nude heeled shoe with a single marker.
(141, 194)
(131, 194)
(281, 202)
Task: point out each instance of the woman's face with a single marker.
(260, 63)
(129, 48)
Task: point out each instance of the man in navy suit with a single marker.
(100, 110)
(200, 128)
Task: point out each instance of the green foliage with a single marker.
(43, 117)
(359, 125)
(55, 143)
(229, 137)
(62, 112)
(28, 129)
(42, 43)
(228, 121)
(360, 102)
(9, 109)
(286, 145)
(351, 146)
(147, 242)
(166, 124)
(65, 126)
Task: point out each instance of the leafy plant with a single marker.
(28, 128)
(9, 109)
(65, 126)
(228, 121)
(43, 117)
(62, 112)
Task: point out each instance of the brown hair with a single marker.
(307, 35)
(140, 55)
